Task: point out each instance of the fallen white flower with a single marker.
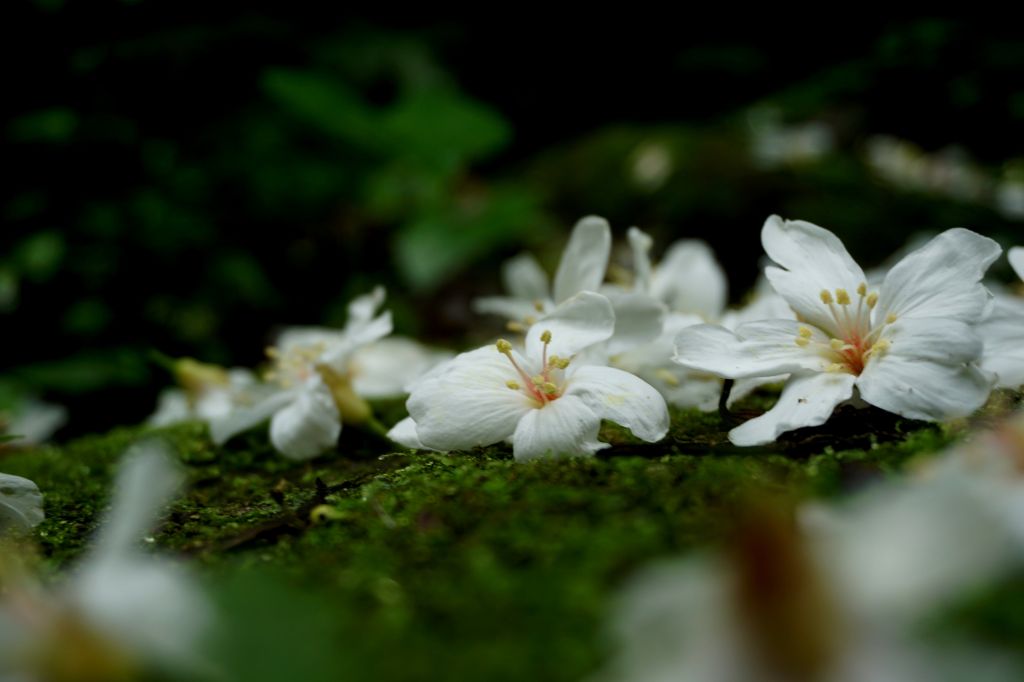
(910, 348)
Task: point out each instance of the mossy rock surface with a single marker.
(370, 564)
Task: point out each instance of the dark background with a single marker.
(189, 177)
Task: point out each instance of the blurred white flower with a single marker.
(313, 384)
(121, 610)
(21, 504)
(775, 144)
(910, 348)
(386, 368)
(207, 392)
(540, 400)
(33, 421)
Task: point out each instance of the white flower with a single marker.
(909, 348)
(386, 368)
(1003, 332)
(540, 400)
(207, 392)
(638, 317)
(33, 421)
(313, 380)
(845, 598)
(21, 504)
(121, 608)
(691, 283)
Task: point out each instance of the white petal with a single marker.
(1016, 257)
(35, 421)
(362, 308)
(941, 279)
(755, 349)
(384, 368)
(622, 398)
(404, 433)
(508, 307)
(1003, 335)
(925, 372)
(147, 479)
(563, 427)
(806, 400)
(356, 336)
(224, 427)
(171, 408)
(690, 280)
(153, 608)
(638, 320)
(307, 337)
(467, 402)
(812, 259)
(21, 504)
(640, 243)
(583, 320)
(309, 425)
(585, 258)
(525, 279)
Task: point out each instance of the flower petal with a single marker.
(640, 243)
(928, 371)
(404, 433)
(812, 259)
(1003, 335)
(310, 425)
(806, 400)
(226, 426)
(510, 308)
(638, 320)
(1016, 257)
(583, 320)
(525, 279)
(21, 503)
(941, 279)
(585, 258)
(563, 427)
(467, 403)
(362, 308)
(385, 368)
(755, 349)
(690, 280)
(622, 398)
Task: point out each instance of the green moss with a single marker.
(431, 566)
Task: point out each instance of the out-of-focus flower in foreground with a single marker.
(910, 348)
(121, 611)
(1003, 332)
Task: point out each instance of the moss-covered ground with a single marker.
(373, 563)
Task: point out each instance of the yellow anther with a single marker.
(557, 362)
(668, 377)
(530, 319)
(549, 388)
(802, 341)
(842, 297)
(545, 336)
(517, 327)
(835, 367)
(805, 332)
(836, 344)
(538, 380)
(872, 299)
(826, 296)
(504, 346)
(514, 385)
(272, 352)
(890, 318)
(538, 305)
(862, 289)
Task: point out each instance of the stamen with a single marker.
(504, 347)
(835, 367)
(668, 377)
(545, 336)
(538, 380)
(549, 388)
(890, 318)
(538, 305)
(862, 289)
(513, 384)
(842, 297)
(272, 352)
(802, 341)
(805, 332)
(837, 344)
(517, 327)
(826, 296)
(872, 299)
(530, 319)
